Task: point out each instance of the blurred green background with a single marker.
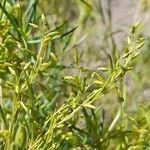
(101, 26)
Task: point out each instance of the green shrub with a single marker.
(50, 100)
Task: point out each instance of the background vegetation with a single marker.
(72, 76)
